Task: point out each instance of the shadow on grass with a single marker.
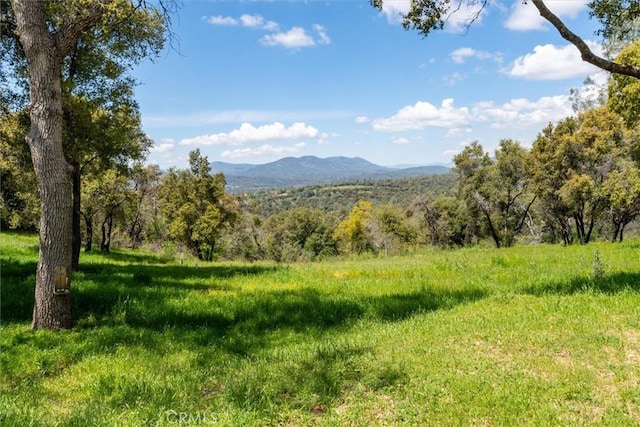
(131, 257)
(17, 284)
(149, 296)
(185, 300)
(161, 308)
(145, 295)
(100, 288)
(608, 284)
(241, 323)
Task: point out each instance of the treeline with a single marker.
(579, 181)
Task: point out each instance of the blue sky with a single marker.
(252, 81)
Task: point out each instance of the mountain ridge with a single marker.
(311, 170)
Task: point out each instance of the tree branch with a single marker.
(585, 52)
(77, 23)
(524, 216)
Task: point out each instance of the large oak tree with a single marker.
(48, 34)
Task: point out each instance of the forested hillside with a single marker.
(340, 198)
(292, 172)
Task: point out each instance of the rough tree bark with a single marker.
(45, 51)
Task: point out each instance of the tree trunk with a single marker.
(592, 223)
(431, 218)
(492, 230)
(579, 220)
(494, 234)
(88, 222)
(107, 227)
(45, 50)
(135, 231)
(616, 231)
(484, 207)
(566, 230)
(53, 173)
(76, 241)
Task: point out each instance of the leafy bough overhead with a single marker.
(616, 18)
(585, 52)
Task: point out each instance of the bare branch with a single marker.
(585, 51)
(469, 20)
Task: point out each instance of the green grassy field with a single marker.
(532, 335)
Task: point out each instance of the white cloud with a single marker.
(250, 21)
(263, 150)
(295, 38)
(222, 20)
(593, 90)
(423, 115)
(362, 119)
(258, 21)
(166, 146)
(515, 114)
(548, 62)
(522, 112)
(324, 137)
(460, 55)
(525, 16)
(452, 79)
(456, 21)
(395, 10)
(323, 38)
(247, 133)
(457, 132)
(400, 140)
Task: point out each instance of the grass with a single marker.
(532, 335)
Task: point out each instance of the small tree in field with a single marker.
(353, 234)
(196, 207)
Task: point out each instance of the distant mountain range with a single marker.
(310, 170)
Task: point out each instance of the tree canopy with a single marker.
(41, 43)
(196, 206)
